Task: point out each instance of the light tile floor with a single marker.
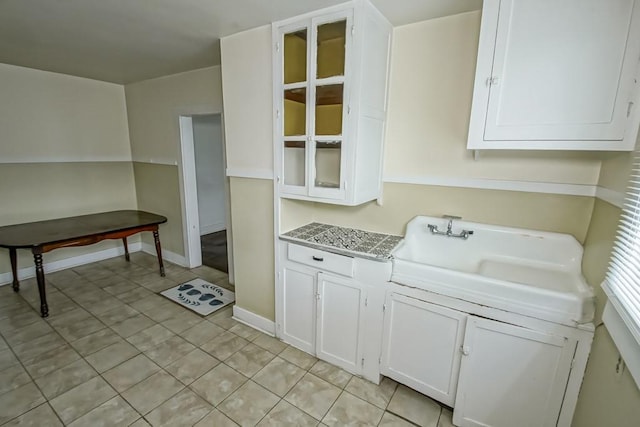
(114, 353)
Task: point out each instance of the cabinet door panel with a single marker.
(299, 308)
(511, 375)
(559, 70)
(339, 313)
(421, 346)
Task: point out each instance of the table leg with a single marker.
(126, 249)
(14, 269)
(156, 239)
(44, 308)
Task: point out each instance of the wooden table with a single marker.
(44, 236)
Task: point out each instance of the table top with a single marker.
(34, 234)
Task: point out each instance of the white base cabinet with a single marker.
(511, 375)
(495, 368)
(299, 307)
(421, 346)
(321, 307)
(340, 306)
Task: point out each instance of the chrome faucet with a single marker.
(464, 234)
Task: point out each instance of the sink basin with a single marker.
(534, 273)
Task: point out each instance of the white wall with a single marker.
(210, 175)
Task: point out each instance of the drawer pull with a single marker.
(317, 258)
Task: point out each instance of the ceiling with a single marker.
(124, 41)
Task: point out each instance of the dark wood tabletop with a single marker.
(43, 236)
(32, 234)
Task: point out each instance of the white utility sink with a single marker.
(534, 273)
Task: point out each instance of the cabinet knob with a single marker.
(465, 350)
(317, 258)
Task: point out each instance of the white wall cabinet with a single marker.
(511, 375)
(330, 92)
(421, 346)
(321, 313)
(557, 75)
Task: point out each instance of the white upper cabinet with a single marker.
(330, 91)
(557, 75)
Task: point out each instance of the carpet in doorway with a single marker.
(200, 296)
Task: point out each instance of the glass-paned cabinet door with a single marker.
(330, 47)
(330, 50)
(295, 56)
(294, 112)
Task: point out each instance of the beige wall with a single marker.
(158, 191)
(154, 107)
(430, 92)
(65, 152)
(48, 117)
(252, 212)
(37, 191)
(549, 212)
(606, 399)
(248, 100)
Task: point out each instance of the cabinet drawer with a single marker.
(322, 260)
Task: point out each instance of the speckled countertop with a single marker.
(346, 241)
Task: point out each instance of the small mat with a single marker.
(200, 296)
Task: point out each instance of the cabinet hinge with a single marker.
(629, 107)
(277, 114)
(278, 178)
(344, 184)
(492, 81)
(366, 302)
(384, 307)
(318, 296)
(380, 360)
(277, 47)
(353, 29)
(348, 109)
(362, 362)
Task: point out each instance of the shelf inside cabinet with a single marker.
(296, 95)
(325, 95)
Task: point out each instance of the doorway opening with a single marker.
(205, 192)
(210, 184)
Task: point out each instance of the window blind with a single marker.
(622, 282)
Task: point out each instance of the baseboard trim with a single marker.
(50, 267)
(255, 321)
(167, 255)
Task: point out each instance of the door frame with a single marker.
(189, 194)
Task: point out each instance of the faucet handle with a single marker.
(451, 217)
